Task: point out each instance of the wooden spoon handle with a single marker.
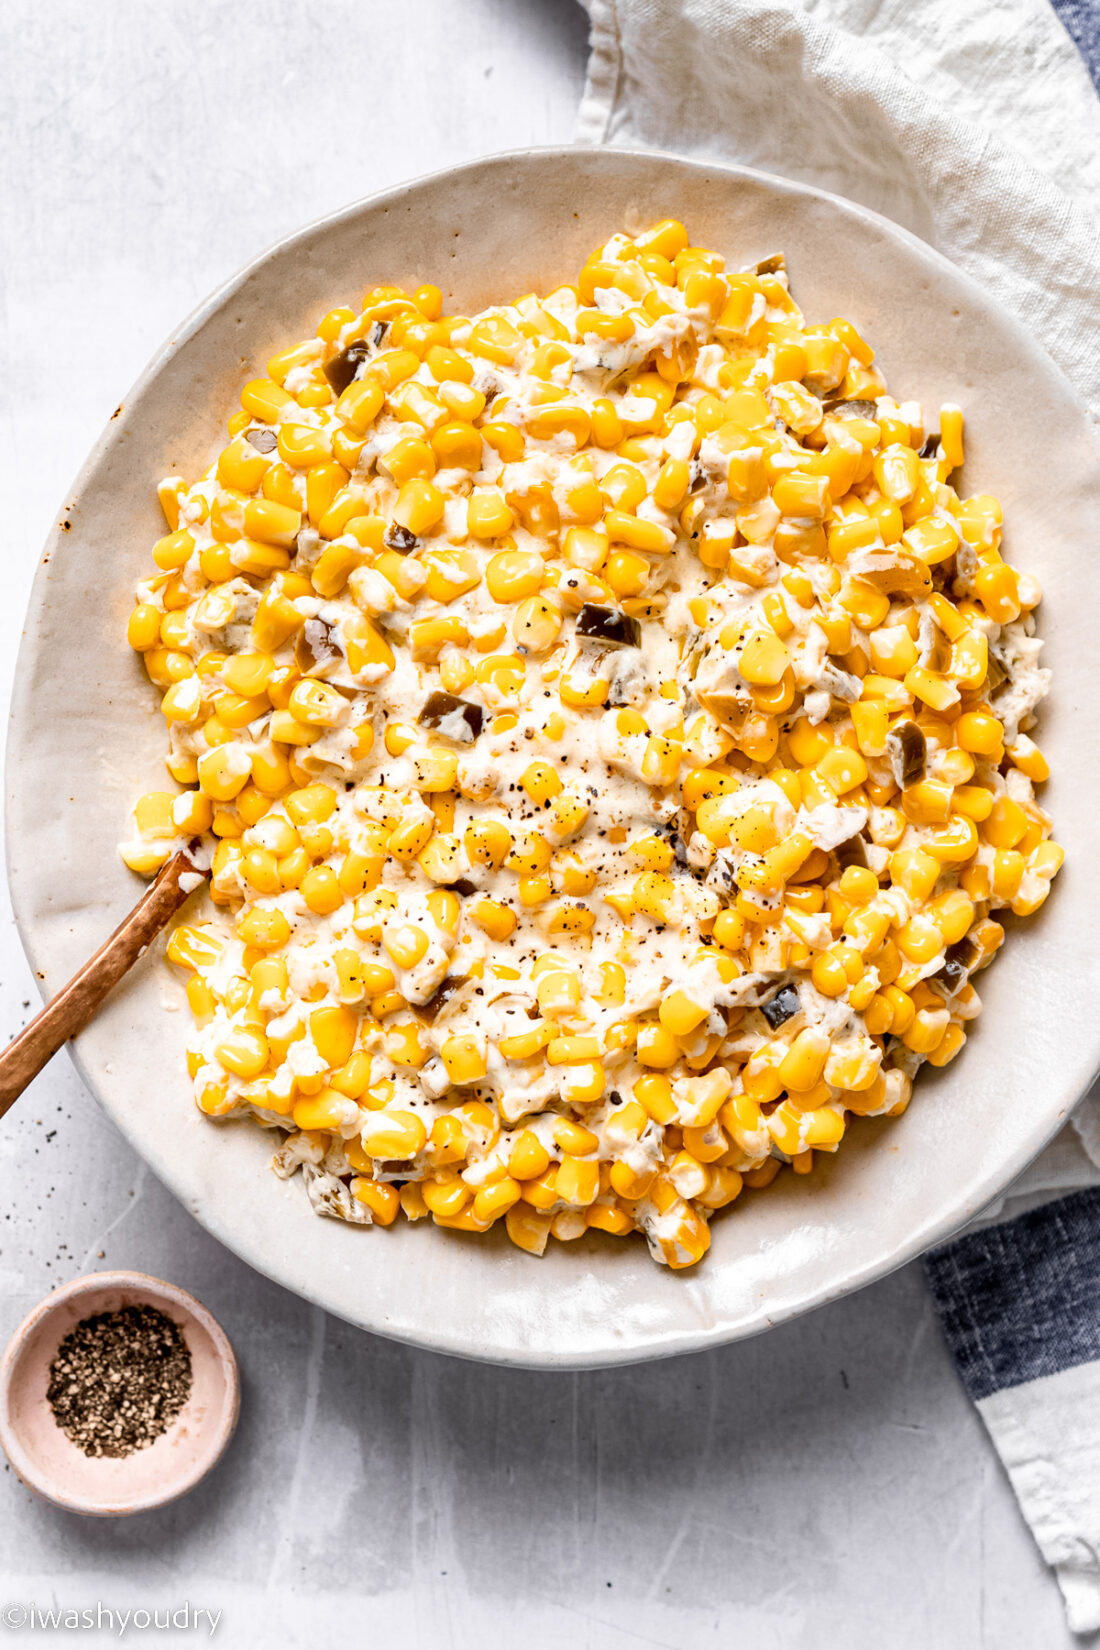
(75, 1004)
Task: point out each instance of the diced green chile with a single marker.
(399, 538)
(851, 852)
(782, 1007)
(316, 646)
(608, 625)
(341, 370)
(458, 719)
(263, 440)
(852, 409)
(441, 995)
(907, 750)
(958, 960)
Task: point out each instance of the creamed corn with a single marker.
(610, 732)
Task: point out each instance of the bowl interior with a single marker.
(77, 763)
(48, 1461)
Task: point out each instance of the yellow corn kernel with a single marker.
(933, 539)
(803, 1064)
(1006, 823)
(419, 507)
(224, 772)
(265, 399)
(528, 1157)
(458, 445)
(528, 1228)
(310, 804)
(689, 1244)
(998, 588)
(536, 624)
(871, 726)
(661, 760)
(541, 782)
(892, 650)
(583, 1083)
(802, 496)
(858, 884)
(655, 896)
(513, 575)
(464, 1059)
(656, 1046)
(382, 1199)
(242, 1050)
(604, 1217)
(574, 1138)
(558, 991)
(655, 853)
(411, 838)
(897, 472)
(406, 943)
(487, 514)
(680, 1014)
(324, 1110)
(412, 1202)
(275, 622)
(980, 733)
(702, 783)
(842, 769)
(393, 1134)
(1008, 872)
(928, 802)
(495, 1198)
(488, 842)
(931, 688)
(828, 975)
(1027, 756)
(192, 948)
(764, 659)
(952, 912)
(563, 1051)
(927, 1030)
(266, 930)
(670, 488)
(408, 459)
(321, 890)
(627, 572)
(155, 814)
(578, 1181)
(449, 1141)
(143, 629)
(495, 338)
(919, 939)
(636, 533)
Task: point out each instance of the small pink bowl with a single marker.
(106, 1487)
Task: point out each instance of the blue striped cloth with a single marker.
(1019, 1303)
(1081, 20)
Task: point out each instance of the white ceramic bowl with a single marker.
(115, 1487)
(87, 738)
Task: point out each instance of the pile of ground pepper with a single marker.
(119, 1379)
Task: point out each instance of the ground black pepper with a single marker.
(119, 1379)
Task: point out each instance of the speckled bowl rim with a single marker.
(704, 1318)
(158, 1292)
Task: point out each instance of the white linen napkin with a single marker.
(977, 128)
